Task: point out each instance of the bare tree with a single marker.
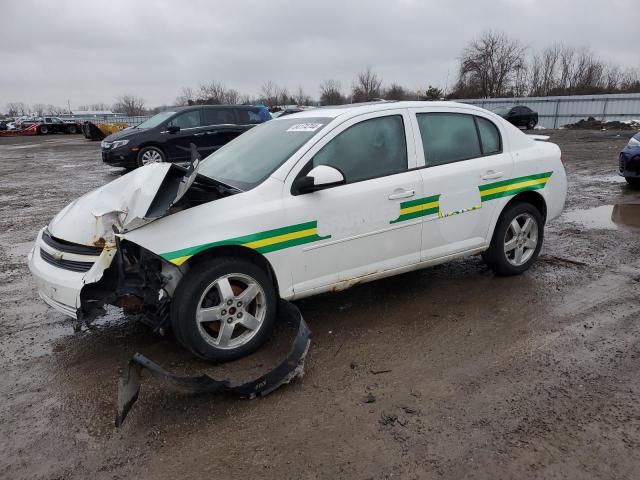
(96, 107)
(331, 93)
(185, 97)
(38, 109)
(366, 86)
(129, 104)
(300, 97)
(489, 65)
(273, 95)
(15, 109)
(397, 92)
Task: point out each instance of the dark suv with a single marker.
(166, 137)
(518, 115)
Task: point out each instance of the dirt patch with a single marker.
(448, 372)
(592, 124)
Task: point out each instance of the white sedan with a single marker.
(312, 202)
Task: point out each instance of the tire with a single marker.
(245, 326)
(633, 181)
(71, 129)
(505, 261)
(531, 125)
(43, 130)
(150, 155)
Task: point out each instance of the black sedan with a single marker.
(167, 136)
(518, 115)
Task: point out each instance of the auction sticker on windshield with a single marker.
(304, 127)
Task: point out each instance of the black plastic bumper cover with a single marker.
(291, 367)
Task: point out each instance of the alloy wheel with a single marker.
(151, 156)
(231, 311)
(521, 239)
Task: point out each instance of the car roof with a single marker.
(354, 109)
(187, 107)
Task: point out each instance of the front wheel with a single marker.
(71, 129)
(516, 241)
(149, 155)
(531, 125)
(224, 309)
(43, 129)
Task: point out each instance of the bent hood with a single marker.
(126, 203)
(123, 134)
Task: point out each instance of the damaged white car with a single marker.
(308, 203)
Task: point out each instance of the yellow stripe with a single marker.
(418, 208)
(515, 186)
(262, 243)
(281, 238)
(180, 260)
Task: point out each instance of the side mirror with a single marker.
(320, 177)
(173, 129)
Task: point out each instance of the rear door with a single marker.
(367, 225)
(461, 152)
(177, 145)
(219, 128)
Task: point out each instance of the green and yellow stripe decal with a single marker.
(418, 208)
(263, 242)
(507, 188)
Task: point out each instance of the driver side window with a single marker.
(372, 148)
(184, 120)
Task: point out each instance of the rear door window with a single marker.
(489, 136)
(448, 137)
(190, 119)
(219, 116)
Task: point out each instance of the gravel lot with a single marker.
(472, 376)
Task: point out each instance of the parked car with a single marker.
(285, 112)
(313, 202)
(518, 115)
(48, 125)
(629, 161)
(166, 137)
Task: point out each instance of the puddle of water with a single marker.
(609, 217)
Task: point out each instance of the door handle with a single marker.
(198, 134)
(402, 194)
(491, 175)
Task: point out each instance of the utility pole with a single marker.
(69, 105)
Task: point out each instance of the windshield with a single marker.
(249, 159)
(155, 120)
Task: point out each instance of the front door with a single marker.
(368, 224)
(177, 145)
(462, 153)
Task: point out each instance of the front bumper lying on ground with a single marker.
(291, 367)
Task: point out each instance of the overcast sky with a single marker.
(89, 51)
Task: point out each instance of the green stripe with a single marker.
(502, 183)
(242, 240)
(290, 243)
(419, 201)
(419, 213)
(508, 193)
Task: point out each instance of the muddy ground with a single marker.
(473, 376)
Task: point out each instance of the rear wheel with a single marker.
(71, 129)
(531, 124)
(43, 129)
(224, 309)
(516, 241)
(150, 155)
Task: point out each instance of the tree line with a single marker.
(490, 66)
